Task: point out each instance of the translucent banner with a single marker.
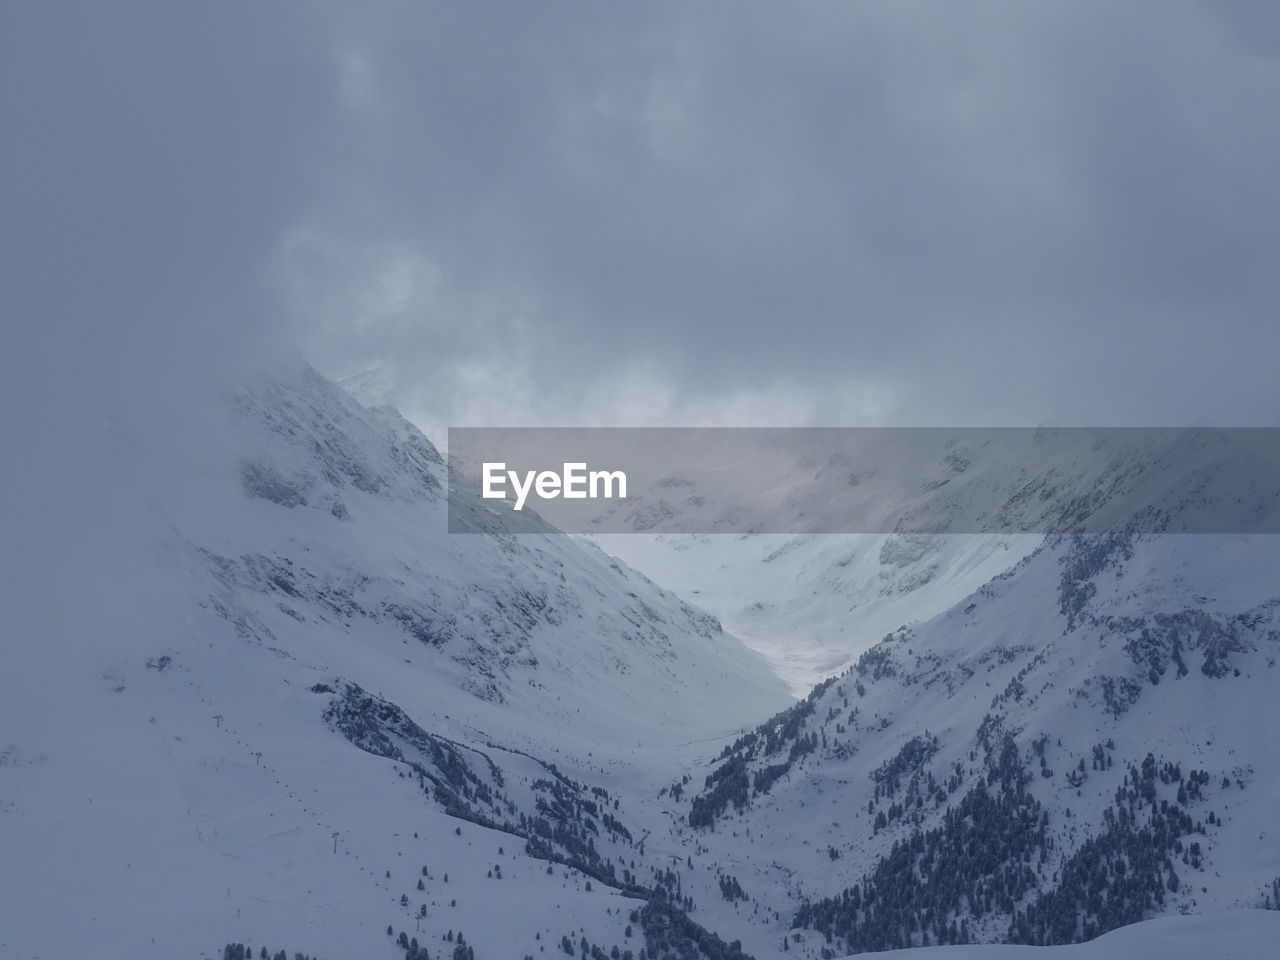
(864, 480)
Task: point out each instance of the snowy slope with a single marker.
(810, 604)
(266, 673)
(1016, 727)
(1231, 935)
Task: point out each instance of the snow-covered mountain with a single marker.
(987, 714)
(1084, 742)
(260, 698)
(273, 697)
(813, 603)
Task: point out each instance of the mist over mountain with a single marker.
(256, 699)
(271, 702)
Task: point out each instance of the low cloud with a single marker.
(981, 213)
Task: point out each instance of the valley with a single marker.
(296, 714)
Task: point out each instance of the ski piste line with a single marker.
(290, 793)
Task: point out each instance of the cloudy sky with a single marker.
(696, 213)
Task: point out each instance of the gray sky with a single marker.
(954, 213)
